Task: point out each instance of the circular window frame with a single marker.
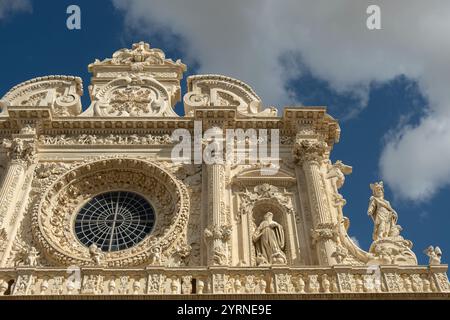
(83, 204)
(59, 202)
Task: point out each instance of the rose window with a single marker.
(114, 220)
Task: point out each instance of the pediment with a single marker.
(253, 177)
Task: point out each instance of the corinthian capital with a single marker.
(309, 150)
(21, 150)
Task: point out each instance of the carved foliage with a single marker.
(53, 216)
(133, 96)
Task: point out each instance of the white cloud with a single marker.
(8, 7)
(248, 39)
(355, 241)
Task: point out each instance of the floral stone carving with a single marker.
(53, 217)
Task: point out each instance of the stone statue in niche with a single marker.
(383, 215)
(269, 242)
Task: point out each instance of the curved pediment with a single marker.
(60, 93)
(221, 91)
(131, 96)
(256, 176)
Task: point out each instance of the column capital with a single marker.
(309, 150)
(20, 150)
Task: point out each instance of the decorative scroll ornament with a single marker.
(221, 91)
(388, 247)
(60, 93)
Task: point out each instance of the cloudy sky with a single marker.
(388, 87)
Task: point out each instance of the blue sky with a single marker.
(371, 106)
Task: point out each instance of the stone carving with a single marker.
(3, 287)
(96, 254)
(92, 284)
(57, 204)
(133, 101)
(221, 91)
(155, 253)
(61, 93)
(133, 95)
(434, 255)
(337, 173)
(57, 159)
(20, 150)
(219, 235)
(32, 257)
(384, 217)
(112, 139)
(388, 247)
(138, 57)
(324, 231)
(53, 281)
(340, 254)
(309, 150)
(262, 192)
(3, 238)
(269, 242)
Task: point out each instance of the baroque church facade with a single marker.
(91, 202)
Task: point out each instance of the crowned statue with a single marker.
(383, 215)
(269, 242)
(388, 246)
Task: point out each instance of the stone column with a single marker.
(21, 151)
(309, 154)
(218, 232)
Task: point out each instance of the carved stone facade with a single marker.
(221, 228)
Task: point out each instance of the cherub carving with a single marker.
(435, 255)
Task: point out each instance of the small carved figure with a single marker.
(338, 171)
(174, 286)
(262, 286)
(136, 286)
(155, 255)
(44, 286)
(269, 241)
(32, 257)
(301, 284)
(237, 286)
(435, 255)
(326, 284)
(96, 253)
(200, 286)
(3, 286)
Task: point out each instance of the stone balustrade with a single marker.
(29, 281)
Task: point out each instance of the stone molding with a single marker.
(307, 281)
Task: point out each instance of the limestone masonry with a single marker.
(91, 202)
